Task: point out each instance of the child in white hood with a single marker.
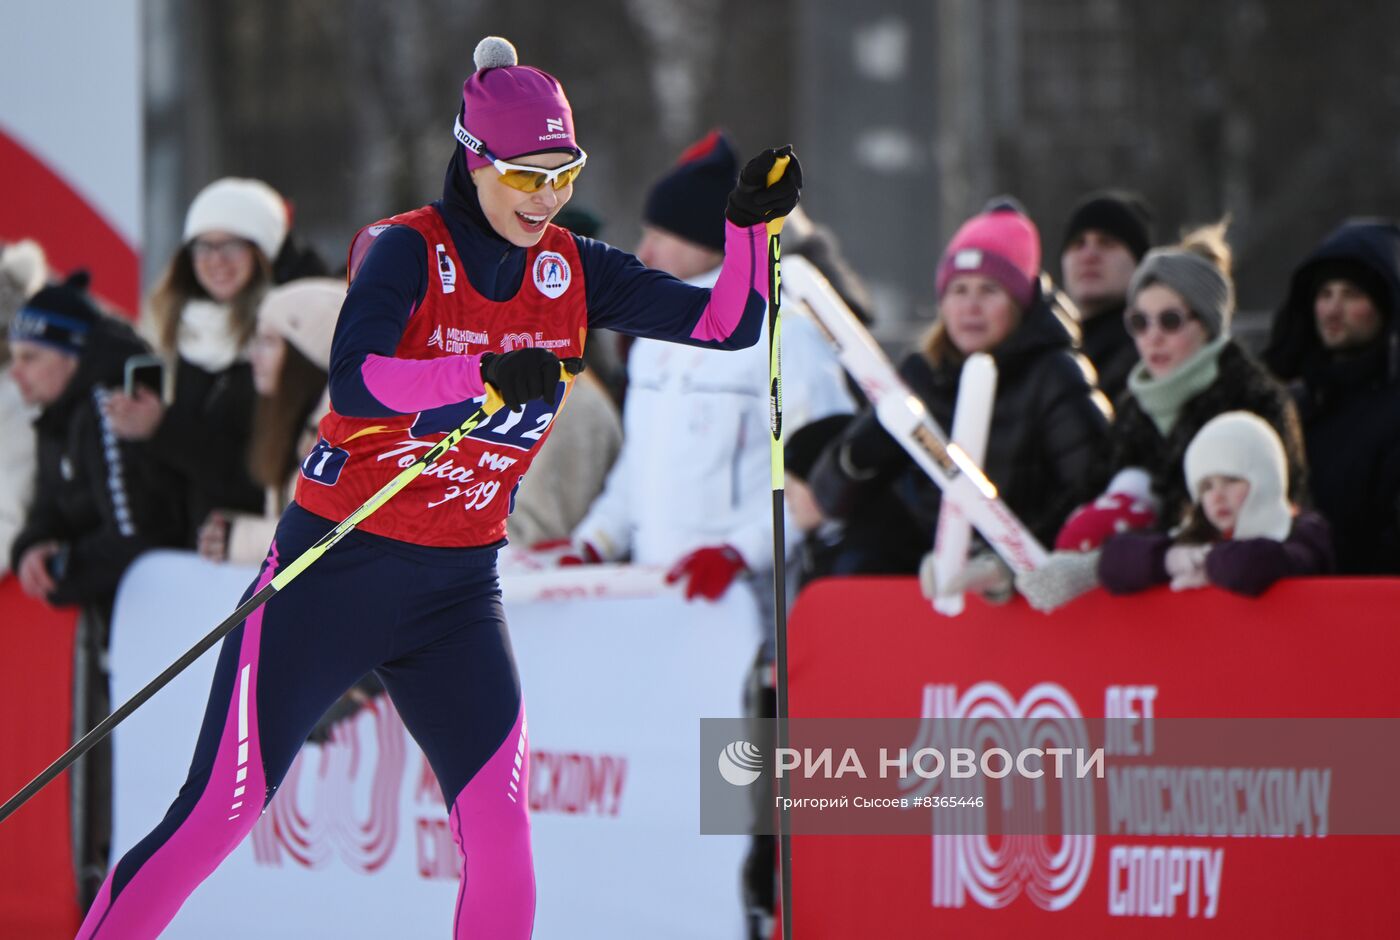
(1241, 532)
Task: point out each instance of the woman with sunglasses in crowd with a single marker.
(477, 288)
(1180, 302)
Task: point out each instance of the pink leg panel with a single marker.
(491, 825)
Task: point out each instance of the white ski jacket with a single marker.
(694, 467)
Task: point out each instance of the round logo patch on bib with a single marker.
(551, 273)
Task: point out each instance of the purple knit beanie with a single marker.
(511, 109)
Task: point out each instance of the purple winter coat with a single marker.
(1136, 561)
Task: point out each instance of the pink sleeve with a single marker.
(412, 385)
(745, 271)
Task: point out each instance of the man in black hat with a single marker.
(1107, 235)
(97, 502)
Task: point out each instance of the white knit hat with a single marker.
(25, 265)
(1242, 444)
(304, 312)
(247, 208)
(23, 268)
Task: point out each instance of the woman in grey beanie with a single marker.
(1180, 302)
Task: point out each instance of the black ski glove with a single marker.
(522, 375)
(754, 201)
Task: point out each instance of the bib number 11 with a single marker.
(324, 463)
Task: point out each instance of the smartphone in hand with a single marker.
(145, 371)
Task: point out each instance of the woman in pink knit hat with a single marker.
(1048, 420)
(476, 288)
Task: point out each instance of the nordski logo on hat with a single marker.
(554, 129)
(551, 273)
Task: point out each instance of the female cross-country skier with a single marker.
(476, 288)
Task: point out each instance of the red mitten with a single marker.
(567, 554)
(710, 571)
(585, 554)
(1090, 525)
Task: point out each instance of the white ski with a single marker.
(972, 422)
(907, 420)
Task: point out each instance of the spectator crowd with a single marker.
(1130, 430)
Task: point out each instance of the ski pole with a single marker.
(775, 423)
(303, 561)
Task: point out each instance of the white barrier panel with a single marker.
(356, 842)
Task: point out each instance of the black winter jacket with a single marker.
(204, 439)
(1349, 403)
(1047, 429)
(1242, 385)
(104, 500)
(1109, 347)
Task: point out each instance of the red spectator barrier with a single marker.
(38, 888)
(872, 648)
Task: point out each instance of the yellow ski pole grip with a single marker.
(775, 226)
(778, 168)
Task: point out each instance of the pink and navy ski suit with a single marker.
(413, 593)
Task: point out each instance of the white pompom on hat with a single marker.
(24, 265)
(304, 312)
(1242, 444)
(495, 52)
(23, 269)
(247, 208)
